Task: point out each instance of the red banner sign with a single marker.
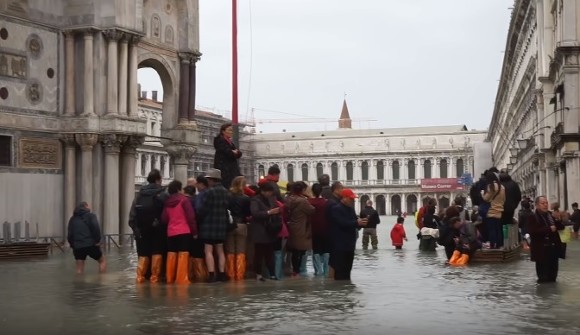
(440, 184)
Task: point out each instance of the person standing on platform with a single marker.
(150, 234)
(226, 155)
(264, 229)
(236, 239)
(495, 196)
(84, 237)
(545, 246)
(370, 231)
(343, 231)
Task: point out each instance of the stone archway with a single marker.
(381, 205)
(396, 205)
(411, 204)
(168, 79)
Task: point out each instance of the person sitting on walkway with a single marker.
(466, 243)
(84, 237)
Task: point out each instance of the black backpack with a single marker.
(148, 208)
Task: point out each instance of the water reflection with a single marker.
(392, 291)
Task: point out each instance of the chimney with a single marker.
(154, 95)
(144, 95)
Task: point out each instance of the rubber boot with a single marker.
(240, 267)
(200, 270)
(156, 263)
(182, 268)
(231, 266)
(278, 264)
(171, 267)
(455, 257)
(463, 260)
(317, 263)
(325, 259)
(142, 266)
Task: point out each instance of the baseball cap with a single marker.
(348, 193)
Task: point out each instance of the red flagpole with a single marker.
(235, 72)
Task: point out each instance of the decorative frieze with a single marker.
(39, 153)
(112, 142)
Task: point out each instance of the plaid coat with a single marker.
(213, 224)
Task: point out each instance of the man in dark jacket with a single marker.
(273, 177)
(370, 231)
(513, 196)
(84, 237)
(344, 225)
(324, 181)
(150, 234)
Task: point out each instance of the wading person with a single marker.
(545, 246)
(179, 217)
(300, 232)
(213, 226)
(370, 231)
(84, 237)
(320, 232)
(265, 226)
(197, 268)
(226, 155)
(398, 234)
(343, 230)
(237, 236)
(575, 218)
(430, 222)
(150, 234)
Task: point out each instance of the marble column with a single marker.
(388, 209)
(373, 171)
(122, 84)
(112, 145)
(184, 87)
(166, 168)
(112, 72)
(70, 73)
(180, 157)
(158, 162)
(312, 176)
(88, 98)
(86, 142)
(138, 165)
(133, 85)
(192, 86)
(69, 178)
(128, 163)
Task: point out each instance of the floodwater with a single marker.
(392, 292)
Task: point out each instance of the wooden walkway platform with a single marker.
(497, 256)
(21, 250)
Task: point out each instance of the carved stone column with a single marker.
(123, 62)
(112, 145)
(165, 171)
(133, 87)
(70, 73)
(192, 86)
(112, 69)
(128, 164)
(184, 87)
(87, 142)
(180, 156)
(138, 164)
(69, 177)
(88, 98)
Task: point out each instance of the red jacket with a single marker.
(420, 215)
(179, 216)
(398, 235)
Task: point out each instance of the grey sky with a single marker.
(401, 62)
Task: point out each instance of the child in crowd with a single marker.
(398, 233)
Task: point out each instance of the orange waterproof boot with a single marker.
(240, 272)
(182, 268)
(231, 266)
(455, 257)
(156, 263)
(171, 267)
(191, 269)
(142, 267)
(463, 260)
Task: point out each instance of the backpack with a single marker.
(148, 208)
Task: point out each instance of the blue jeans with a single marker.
(494, 232)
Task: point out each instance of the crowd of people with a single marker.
(217, 224)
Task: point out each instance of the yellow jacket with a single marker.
(496, 198)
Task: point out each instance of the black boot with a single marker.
(211, 277)
(222, 277)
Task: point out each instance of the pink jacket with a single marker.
(179, 216)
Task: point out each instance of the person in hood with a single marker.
(273, 177)
(226, 155)
(179, 217)
(150, 235)
(84, 237)
(398, 234)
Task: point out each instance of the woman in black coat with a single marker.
(226, 155)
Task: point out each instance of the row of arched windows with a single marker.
(380, 169)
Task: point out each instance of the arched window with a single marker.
(305, 172)
(396, 170)
(261, 171)
(365, 170)
(411, 170)
(427, 169)
(380, 170)
(319, 170)
(153, 162)
(443, 168)
(290, 170)
(349, 171)
(459, 167)
(334, 171)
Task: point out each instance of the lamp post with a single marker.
(514, 151)
(235, 124)
(513, 160)
(522, 143)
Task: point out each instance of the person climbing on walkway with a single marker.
(370, 231)
(84, 237)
